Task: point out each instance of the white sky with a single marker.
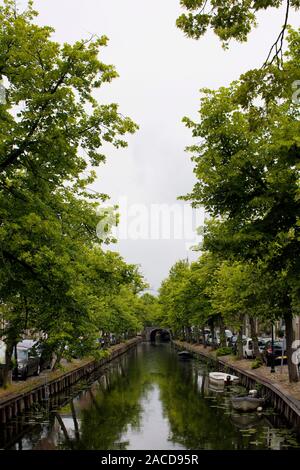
(161, 72)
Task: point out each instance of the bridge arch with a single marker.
(152, 331)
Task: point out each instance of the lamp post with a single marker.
(272, 357)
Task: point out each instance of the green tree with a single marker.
(50, 112)
(248, 174)
(245, 290)
(233, 20)
(172, 295)
(150, 310)
(53, 272)
(185, 297)
(201, 281)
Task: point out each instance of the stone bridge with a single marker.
(151, 331)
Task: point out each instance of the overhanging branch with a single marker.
(277, 47)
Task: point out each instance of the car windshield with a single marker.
(22, 354)
(277, 344)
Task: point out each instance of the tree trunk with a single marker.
(204, 339)
(240, 344)
(222, 333)
(7, 369)
(197, 334)
(187, 333)
(256, 351)
(75, 421)
(212, 332)
(289, 333)
(64, 430)
(183, 333)
(56, 358)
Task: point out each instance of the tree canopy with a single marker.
(247, 179)
(56, 279)
(228, 19)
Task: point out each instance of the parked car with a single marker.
(27, 343)
(248, 350)
(2, 352)
(262, 343)
(28, 362)
(112, 339)
(210, 339)
(102, 344)
(40, 349)
(229, 335)
(45, 354)
(233, 342)
(217, 339)
(206, 335)
(278, 353)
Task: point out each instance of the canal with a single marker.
(147, 399)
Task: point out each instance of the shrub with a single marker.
(223, 351)
(256, 363)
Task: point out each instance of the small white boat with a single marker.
(223, 378)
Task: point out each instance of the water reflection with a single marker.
(147, 399)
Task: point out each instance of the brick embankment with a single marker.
(21, 396)
(284, 396)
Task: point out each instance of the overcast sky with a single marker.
(161, 72)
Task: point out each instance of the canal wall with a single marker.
(15, 404)
(285, 404)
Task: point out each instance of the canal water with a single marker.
(147, 399)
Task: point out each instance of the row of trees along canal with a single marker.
(55, 277)
(246, 157)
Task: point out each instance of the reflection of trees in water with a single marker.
(195, 422)
(199, 422)
(101, 415)
(108, 408)
(54, 429)
(113, 403)
(22, 433)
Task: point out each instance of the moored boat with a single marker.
(222, 378)
(249, 403)
(185, 355)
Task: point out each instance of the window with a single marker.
(22, 354)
